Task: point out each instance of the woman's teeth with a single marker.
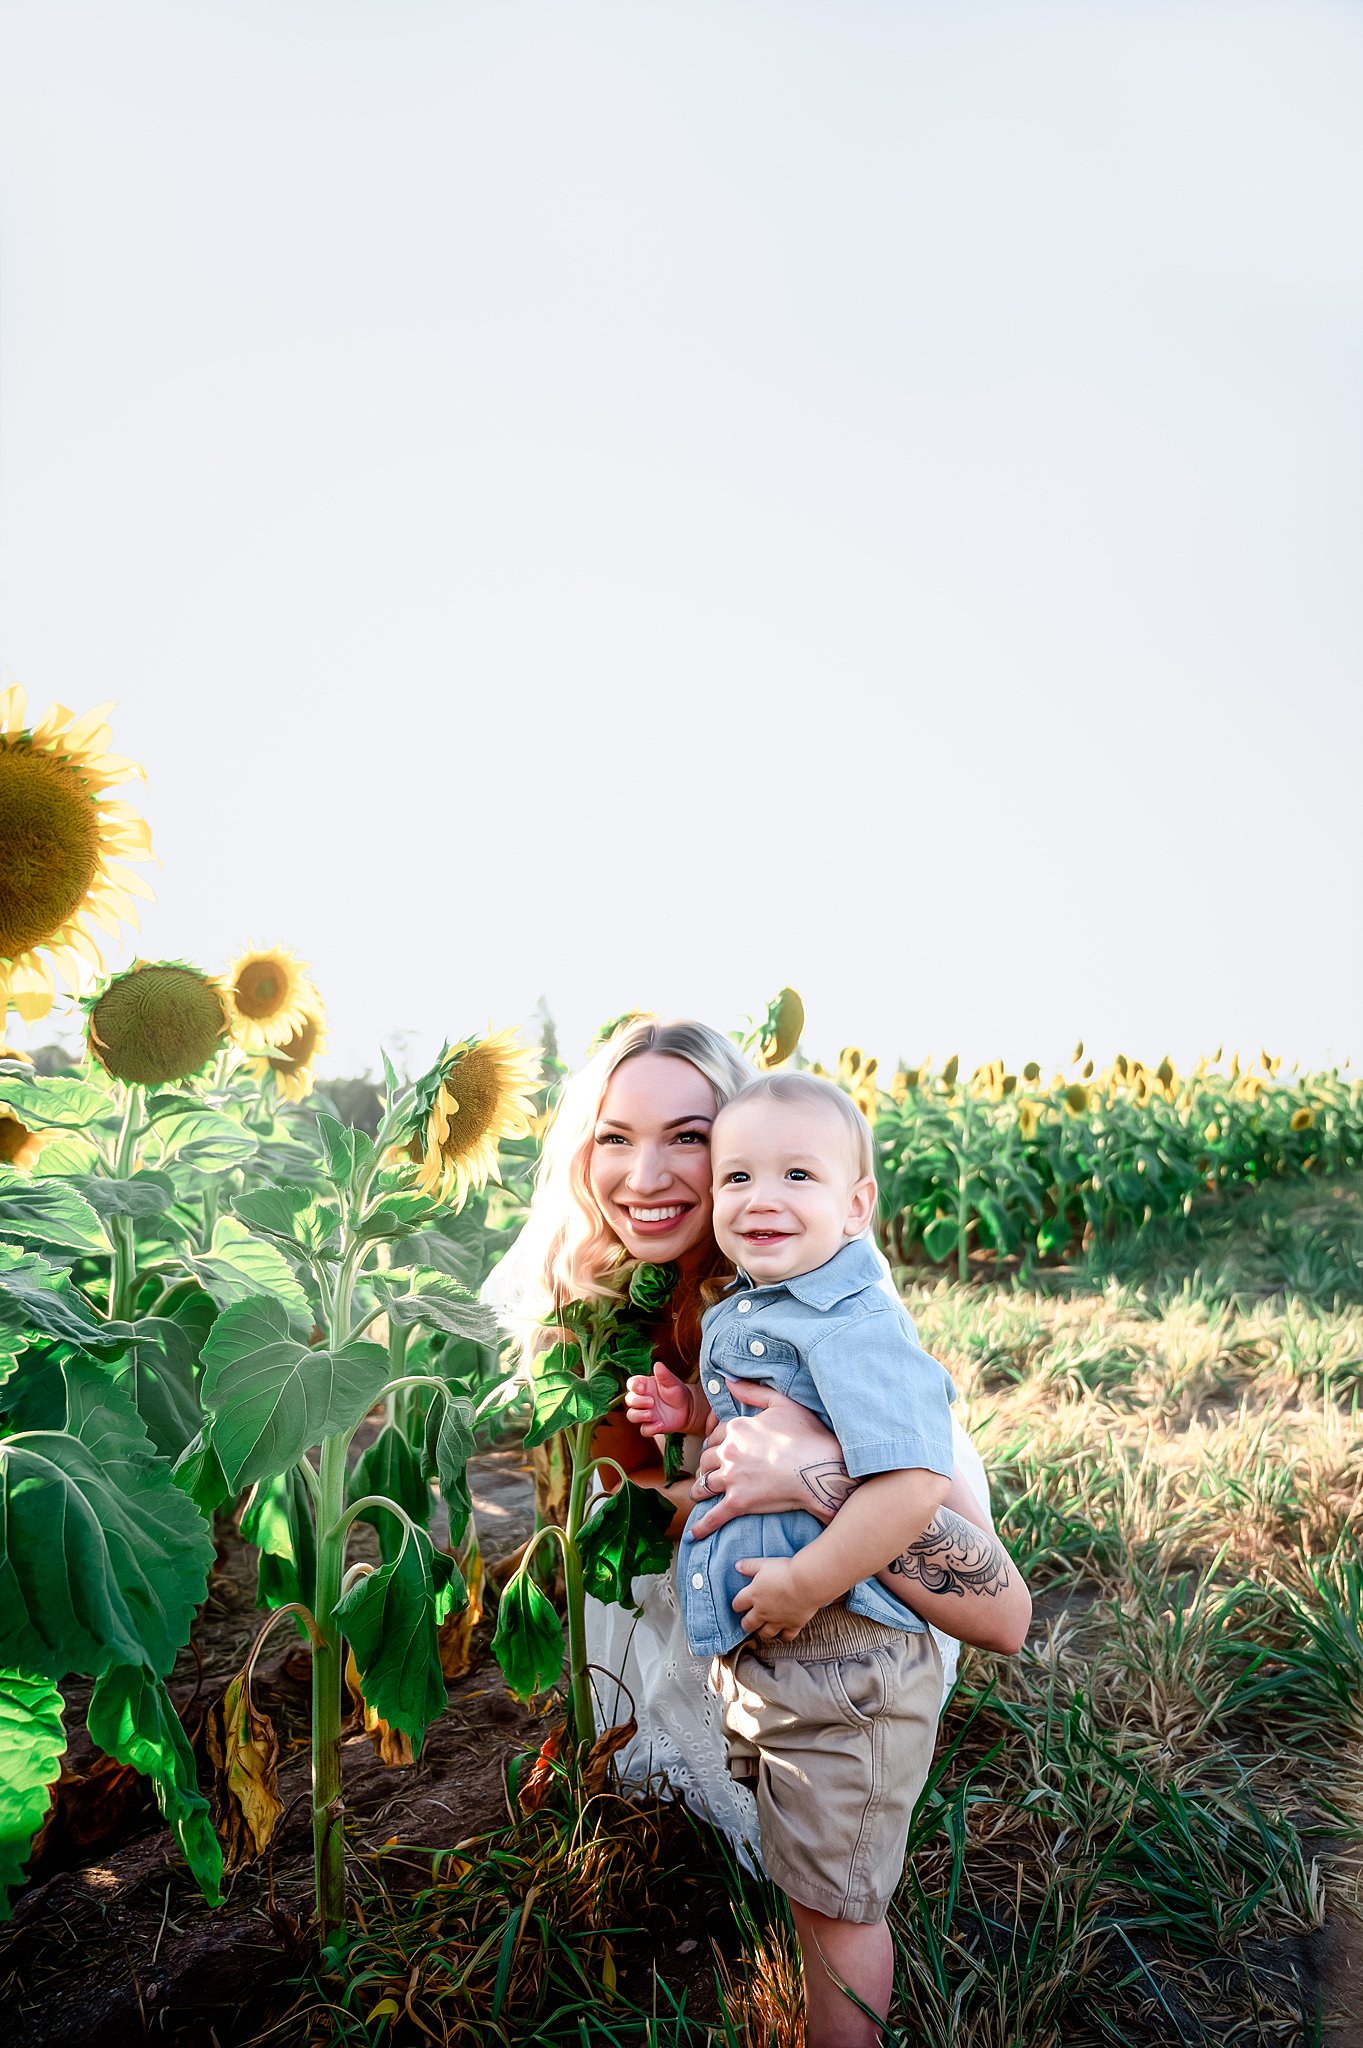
(656, 1215)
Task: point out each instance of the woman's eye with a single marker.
(610, 1138)
(693, 1138)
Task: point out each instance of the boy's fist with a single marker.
(658, 1403)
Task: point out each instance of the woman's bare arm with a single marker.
(957, 1575)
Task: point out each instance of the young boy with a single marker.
(831, 1687)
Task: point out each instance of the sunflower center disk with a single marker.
(471, 1101)
(13, 1138)
(295, 1051)
(49, 829)
(157, 1024)
(260, 992)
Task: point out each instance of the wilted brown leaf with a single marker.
(391, 1746)
(242, 1748)
(596, 1770)
(545, 1773)
(456, 1631)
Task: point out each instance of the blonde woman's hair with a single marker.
(811, 1088)
(567, 1250)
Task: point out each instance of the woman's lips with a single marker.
(644, 1220)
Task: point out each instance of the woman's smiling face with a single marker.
(650, 1158)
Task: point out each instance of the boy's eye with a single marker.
(797, 1173)
(730, 1179)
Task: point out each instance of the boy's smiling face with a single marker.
(787, 1189)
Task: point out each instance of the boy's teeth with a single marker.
(654, 1215)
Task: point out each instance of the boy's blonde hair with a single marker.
(569, 1250)
(811, 1088)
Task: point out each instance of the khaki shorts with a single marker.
(835, 1732)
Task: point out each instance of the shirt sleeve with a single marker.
(889, 1403)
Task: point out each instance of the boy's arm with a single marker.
(888, 1511)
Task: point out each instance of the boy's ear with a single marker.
(861, 1208)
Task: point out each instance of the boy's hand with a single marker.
(658, 1403)
(775, 1601)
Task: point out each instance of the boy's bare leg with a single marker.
(863, 1957)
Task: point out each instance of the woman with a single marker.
(626, 1174)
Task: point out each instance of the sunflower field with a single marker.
(283, 1748)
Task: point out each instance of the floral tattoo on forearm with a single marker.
(952, 1556)
(830, 1484)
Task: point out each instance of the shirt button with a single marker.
(697, 1580)
(757, 1347)
(743, 1307)
(713, 1386)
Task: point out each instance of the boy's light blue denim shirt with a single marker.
(838, 1342)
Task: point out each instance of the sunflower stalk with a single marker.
(123, 1271)
(608, 1539)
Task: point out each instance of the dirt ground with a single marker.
(111, 1942)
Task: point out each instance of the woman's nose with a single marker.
(649, 1171)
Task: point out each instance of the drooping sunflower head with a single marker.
(1302, 1119)
(780, 1034)
(270, 997)
(1029, 1119)
(294, 1063)
(473, 1097)
(160, 1021)
(61, 835)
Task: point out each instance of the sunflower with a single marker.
(294, 1063)
(270, 997)
(472, 1098)
(59, 836)
(1302, 1119)
(160, 1021)
(781, 1028)
(19, 1146)
(1029, 1120)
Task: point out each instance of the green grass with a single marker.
(1136, 1830)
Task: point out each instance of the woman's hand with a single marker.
(779, 1459)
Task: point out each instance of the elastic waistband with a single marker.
(832, 1632)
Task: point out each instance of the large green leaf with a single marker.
(449, 1446)
(103, 1559)
(32, 1741)
(292, 1214)
(241, 1267)
(141, 1195)
(270, 1398)
(563, 1397)
(54, 1102)
(279, 1521)
(132, 1720)
(396, 1215)
(438, 1301)
(628, 1534)
(200, 1138)
(36, 1297)
(389, 1620)
(391, 1468)
(44, 1212)
(157, 1374)
(346, 1148)
(198, 1472)
(528, 1643)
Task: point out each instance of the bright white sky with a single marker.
(643, 503)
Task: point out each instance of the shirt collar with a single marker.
(856, 1266)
